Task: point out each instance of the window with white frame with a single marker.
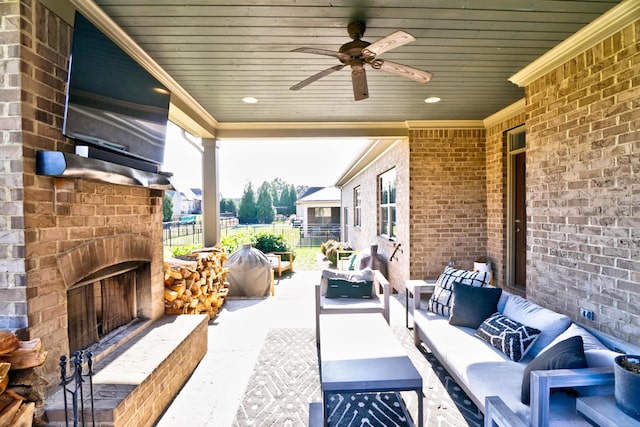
(387, 200)
(357, 206)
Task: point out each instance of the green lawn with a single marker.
(307, 258)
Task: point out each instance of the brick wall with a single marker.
(441, 202)
(447, 198)
(496, 157)
(42, 218)
(362, 237)
(583, 187)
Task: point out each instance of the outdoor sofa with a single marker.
(491, 370)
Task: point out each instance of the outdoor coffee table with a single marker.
(360, 354)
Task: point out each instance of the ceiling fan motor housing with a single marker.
(356, 29)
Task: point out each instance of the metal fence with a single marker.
(318, 233)
(189, 232)
(178, 233)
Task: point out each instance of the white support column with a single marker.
(210, 192)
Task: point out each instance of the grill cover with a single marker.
(249, 273)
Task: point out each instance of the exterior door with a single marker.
(517, 210)
(520, 222)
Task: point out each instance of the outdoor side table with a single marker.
(410, 287)
(603, 411)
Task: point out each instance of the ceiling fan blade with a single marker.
(420, 76)
(389, 42)
(359, 82)
(315, 77)
(325, 52)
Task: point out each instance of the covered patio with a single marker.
(261, 367)
(539, 113)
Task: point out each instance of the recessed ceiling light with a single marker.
(161, 90)
(432, 100)
(250, 100)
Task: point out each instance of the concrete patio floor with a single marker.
(213, 393)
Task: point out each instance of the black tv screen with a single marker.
(113, 104)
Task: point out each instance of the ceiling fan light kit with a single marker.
(358, 53)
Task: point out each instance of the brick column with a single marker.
(13, 312)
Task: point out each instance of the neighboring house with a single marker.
(186, 200)
(320, 214)
(197, 201)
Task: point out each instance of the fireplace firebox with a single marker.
(102, 303)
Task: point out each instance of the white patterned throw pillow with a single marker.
(510, 337)
(442, 298)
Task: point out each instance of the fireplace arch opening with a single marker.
(108, 282)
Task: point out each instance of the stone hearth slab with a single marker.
(134, 384)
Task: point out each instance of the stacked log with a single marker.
(17, 358)
(196, 283)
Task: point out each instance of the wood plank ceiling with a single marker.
(221, 51)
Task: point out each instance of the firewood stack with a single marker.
(196, 283)
(17, 399)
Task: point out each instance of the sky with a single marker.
(312, 162)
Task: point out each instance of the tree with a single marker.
(277, 186)
(292, 199)
(228, 206)
(287, 201)
(264, 205)
(301, 189)
(167, 208)
(247, 211)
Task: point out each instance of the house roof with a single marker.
(310, 190)
(212, 54)
(326, 194)
(187, 193)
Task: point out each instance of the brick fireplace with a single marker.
(58, 235)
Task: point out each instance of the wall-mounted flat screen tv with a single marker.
(113, 104)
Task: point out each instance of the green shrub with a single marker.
(264, 241)
(233, 242)
(184, 250)
(269, 242)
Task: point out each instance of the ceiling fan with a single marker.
(358, 52)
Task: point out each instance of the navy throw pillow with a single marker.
(472, 305)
